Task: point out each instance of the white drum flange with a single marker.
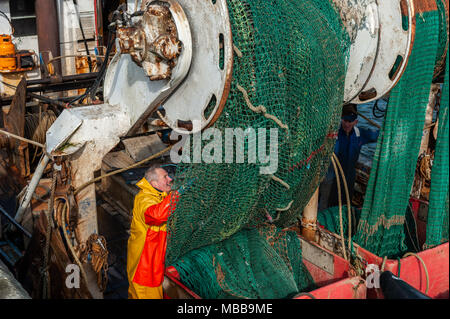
(360, 18)
(394, 42)
(200, 99)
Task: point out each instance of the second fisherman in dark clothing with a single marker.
(347, 148)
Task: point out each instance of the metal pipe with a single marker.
(63, 79)
(12, 220)
(32, 187)
(46, 99)
(82, 34)
(58, 87)
(309, 217)
(47, 29)
(20, 138)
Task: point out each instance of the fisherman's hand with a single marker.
(183, 188)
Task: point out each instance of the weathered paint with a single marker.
(360, 18)
(153, 41)
(188, 103)
(393, 42)
(349, 288)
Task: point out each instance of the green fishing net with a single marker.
(437, 220)
(293, 63)
(253, 263)
(381, 228)
(443, 37)
(329, 218)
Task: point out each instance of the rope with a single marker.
(122, 169)
(369, 120)
(383, 263)
(48, 214)
(260, 108)
(74, 255)
(424, 267)
(285, 208)
(347, 196)
(305, 294)
(237, 51)
(340, 207)
(312, 226)
(279, 180)
(20, 138)
(36, 125)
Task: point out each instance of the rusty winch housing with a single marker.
(152, 41)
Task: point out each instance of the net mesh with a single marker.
(443, 36)
(293, 63)
(253, 263)
(381, 227)
(437, 221)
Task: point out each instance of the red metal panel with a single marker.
(323, 278)
(412, 271)
(421, 225)
(349, 288)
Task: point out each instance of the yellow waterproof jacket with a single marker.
(147, 242)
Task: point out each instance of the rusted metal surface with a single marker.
(421, 6)
(14, 116)
(132, 41)
(14, 122)
(309, 217)
(31, 187)
(360, 18)
(127, 85)
(153, 41)
(29, 268)
(47, 29)
(394, 42)
(193, 101)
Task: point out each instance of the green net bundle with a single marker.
(437, 221)
(381, 227)
(443, 36)
(293, 63)
(329, 218)
(253, 263)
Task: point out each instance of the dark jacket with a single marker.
(347, 149)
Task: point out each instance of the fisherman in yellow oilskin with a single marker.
(147, 242)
